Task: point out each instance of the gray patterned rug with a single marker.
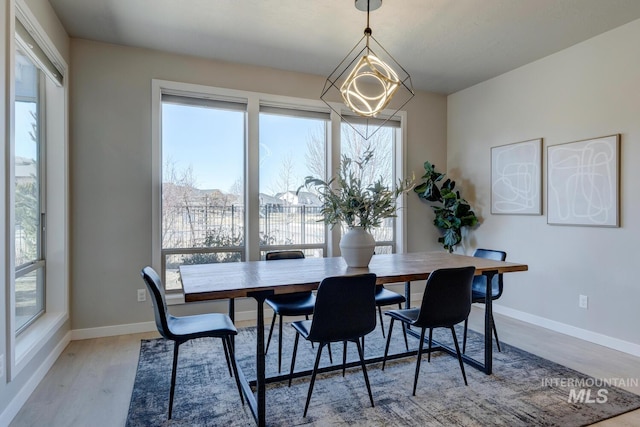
(524, 389)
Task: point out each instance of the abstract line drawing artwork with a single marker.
(516, 178)
(583, 182)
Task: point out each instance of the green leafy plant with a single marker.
(452, 212)
(347, 199)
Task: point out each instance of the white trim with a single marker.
(400, 173)
(563, 328)
(28, 19)
(135, 328)
(34, 338)
(110, 331)
(25, 392)
(21, 350)
(156, 175)
(416, 297)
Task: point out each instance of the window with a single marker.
(292, 146)
(37, 193)
(202, 183)
(228, 165)
(28, 206)
(383, 144)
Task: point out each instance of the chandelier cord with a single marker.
(367, 31)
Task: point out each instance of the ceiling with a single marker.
(445, 45)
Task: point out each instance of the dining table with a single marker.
(260, 279)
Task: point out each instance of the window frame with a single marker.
(24, 347)
(40, 260)
(295, 111)
(252, 249)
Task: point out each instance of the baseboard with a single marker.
(563, 328)
(135, 328)
(22, 396)
(250, 315)
(109, 331)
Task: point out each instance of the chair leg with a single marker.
(455, 341)
(227, 340)
(344, 357)
(227, 346)
(420, 347)
(279, 344)
(313, 378)
(386, 348)
(330, 355)
(381, 322)
(273, 322)
(306, 317)
(404, 330)
(293, 357)
(364, 372)
(464, 338)
(430, 336)
(495, 332)
(176, 347)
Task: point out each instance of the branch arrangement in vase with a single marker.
(452, 212)
(348, 199)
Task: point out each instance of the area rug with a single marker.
(524, 390)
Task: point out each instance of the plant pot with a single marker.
(357, 246)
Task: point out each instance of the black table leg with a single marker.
(488, 324)
(407, 294)
(259, 411)
(232, 316)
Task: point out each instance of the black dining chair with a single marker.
(295, 304)
(185, 328)
(445, 303)
(345, 311)
(479, 290)
(385, 297)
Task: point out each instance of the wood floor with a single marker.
(90, 384)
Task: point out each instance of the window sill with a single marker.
(31, 341)
(175, 299)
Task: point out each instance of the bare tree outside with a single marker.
(287, 180)
(315, 155)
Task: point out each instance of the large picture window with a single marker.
(292, 146)
(231, 169)
(202, 183)
(37, 192)
(382, 165)
(28, 192)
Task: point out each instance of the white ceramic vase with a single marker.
(357, 246)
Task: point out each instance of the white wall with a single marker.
(586, 91)
(111, 165)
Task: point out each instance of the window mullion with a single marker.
(252, 180)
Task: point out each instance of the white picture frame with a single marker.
(583, 182)
(516, 178)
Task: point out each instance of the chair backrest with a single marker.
(154, 284)
(272, 256)
(345, 308)
(447, 297)
(480, 282)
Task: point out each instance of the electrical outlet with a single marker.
(142, 295)
(583, 301)
(1, 365)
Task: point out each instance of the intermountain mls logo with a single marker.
(589, 390)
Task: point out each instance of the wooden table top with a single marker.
(204, 282)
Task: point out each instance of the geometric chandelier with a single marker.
(367, 79)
